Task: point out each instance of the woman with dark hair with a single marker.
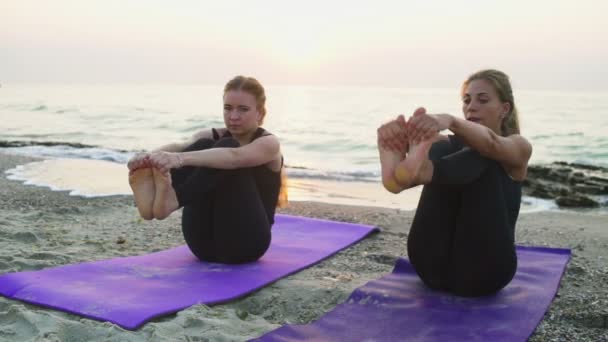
(228, 180)
(462, 237)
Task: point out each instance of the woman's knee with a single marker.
(440, 149)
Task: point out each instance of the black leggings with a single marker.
(462, 236)
(224, 219)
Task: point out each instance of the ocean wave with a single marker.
(558, 135)
(298, 167)
(66, 150)
(67, 110)
(534, 204)
(357, 172)
(25, 143)
(28, 107)
(342, 176)
(39, 108)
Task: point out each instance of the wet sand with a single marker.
(41, 228)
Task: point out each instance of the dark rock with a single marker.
(575, 201)
(541, 192)
(570, 184)
(601, 180)
(590, 189)
(585, 166)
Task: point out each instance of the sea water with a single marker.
(327, 134)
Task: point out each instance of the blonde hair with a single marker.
(502, 85)
(252, 86)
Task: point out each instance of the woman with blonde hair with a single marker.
(227, 180)
(462, 236)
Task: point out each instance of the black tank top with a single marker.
(268, 182)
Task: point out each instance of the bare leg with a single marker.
(142, 184)
(416, 168)
(165, 199)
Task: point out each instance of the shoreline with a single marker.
(41, 228)
(99, 178)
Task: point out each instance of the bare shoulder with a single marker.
(519, 139)
(522, 145)
(270, 146)
(267, 141)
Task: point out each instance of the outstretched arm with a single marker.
(513, 152)
(259, 152)
(142, 160)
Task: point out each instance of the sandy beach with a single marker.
(41, 228)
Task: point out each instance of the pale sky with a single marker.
(541, 44)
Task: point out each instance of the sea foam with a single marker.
(81, 177)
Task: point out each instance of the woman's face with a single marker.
(481, 104)
(240, 112)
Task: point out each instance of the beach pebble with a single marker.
(26, 237)
(242, 314)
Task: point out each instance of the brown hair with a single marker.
(252, 86)
(502, 85)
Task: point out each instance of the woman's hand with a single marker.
(392, 135)
(138, 161)
(422, 126)
(165, 161)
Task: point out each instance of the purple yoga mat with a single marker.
(398, 307)
(129, 291)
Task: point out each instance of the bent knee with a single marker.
(200, 144)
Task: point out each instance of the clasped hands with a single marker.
(396, 135)
(161, 160)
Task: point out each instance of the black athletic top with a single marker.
(268, 182)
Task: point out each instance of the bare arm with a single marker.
(513, 151)
(142, 160)
(261, 151)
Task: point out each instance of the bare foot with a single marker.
(165, 200)
(416, 169)
(142, 184)
(388, 162)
